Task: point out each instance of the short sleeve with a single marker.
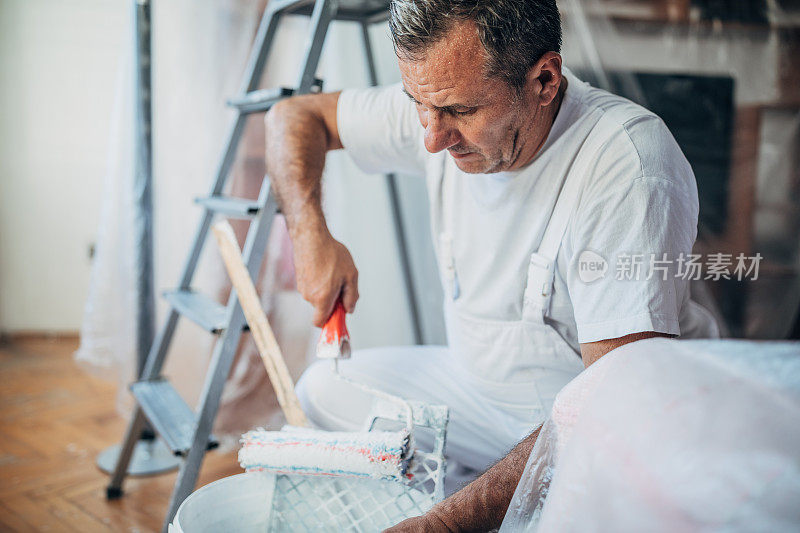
(626, 239)
(380, 130)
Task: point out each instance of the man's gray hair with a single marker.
(515, 33)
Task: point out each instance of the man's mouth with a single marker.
(459, 154)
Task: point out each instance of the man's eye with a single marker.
(464, 113)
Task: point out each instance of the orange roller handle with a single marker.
(334, 342)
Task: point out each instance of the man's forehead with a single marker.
(449, 71)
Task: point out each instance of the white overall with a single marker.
(529, 361)
(492, 405)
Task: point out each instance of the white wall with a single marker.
(58, 64)
(58, 67)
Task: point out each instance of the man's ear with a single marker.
(544, 77)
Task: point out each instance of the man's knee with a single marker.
(310, 387)
(330, 403)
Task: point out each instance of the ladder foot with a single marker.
(113, 493)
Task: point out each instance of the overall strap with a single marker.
(541, 270)
(452, 288)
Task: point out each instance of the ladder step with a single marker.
(261, 100)
(169, 415)
(229, 206)
(354, 10)
(284, 5)
(199, 308)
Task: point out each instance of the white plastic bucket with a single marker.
(260, 501)
(237, 503)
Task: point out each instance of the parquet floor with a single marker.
(54, 420)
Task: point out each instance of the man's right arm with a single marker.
(299, 132)
(481, 505)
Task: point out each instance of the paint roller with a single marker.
(297, 448)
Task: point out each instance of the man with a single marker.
(528, 171)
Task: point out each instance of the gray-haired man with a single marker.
(528, 171)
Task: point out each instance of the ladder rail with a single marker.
(253, 71)
(223, 355)
(255, 243)
(135, 427)
(261, 45)
(158, 352)
(158, 349)
(322, 13)
(155, 360)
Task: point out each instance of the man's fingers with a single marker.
(319, 319)
(329, 274)
(350, 295)
(323, 308)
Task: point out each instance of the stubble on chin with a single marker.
(486, 166)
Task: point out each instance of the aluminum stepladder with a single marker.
(188, 432)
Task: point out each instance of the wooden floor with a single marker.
(54, 419)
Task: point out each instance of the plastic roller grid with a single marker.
(311, 503)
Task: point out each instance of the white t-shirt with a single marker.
(639, 202)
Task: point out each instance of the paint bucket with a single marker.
(235, 503)
(260, 501)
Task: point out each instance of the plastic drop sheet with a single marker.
(668, 435)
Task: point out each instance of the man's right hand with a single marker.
(325, 270)
(299, 132)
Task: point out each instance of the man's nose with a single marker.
(439, 133)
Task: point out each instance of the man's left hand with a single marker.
(428, 523)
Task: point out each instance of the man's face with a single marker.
(481, 121)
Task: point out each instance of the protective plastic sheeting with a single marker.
(668, 435)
